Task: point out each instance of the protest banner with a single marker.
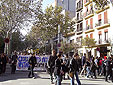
(22, 63)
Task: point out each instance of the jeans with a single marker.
(59, 79)
(51, 73)
(88, 71)
(77, 79)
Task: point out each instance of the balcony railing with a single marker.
(87, 27)
(102, 24)
(91, 12)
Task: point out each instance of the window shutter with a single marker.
(91, 23)
(99, 33)
(105, 17)
(87, 36)
(86, 24)
(84, 1)
(91, 35)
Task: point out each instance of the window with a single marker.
(81, 26)
(86, 11)
(106, 36)
(100, 38)
(77, 16)
(91, 11)
(99, 20)
(78, 27)
(87, 26)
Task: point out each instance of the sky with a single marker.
(45, 3)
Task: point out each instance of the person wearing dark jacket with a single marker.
(1, 64)
(58, 69)
(5, 60)
(14, 62)
(32, 62)
(112, 68)
(74, 68)
(66, 65)
(108, 68)
(51, 64)
(93, 68)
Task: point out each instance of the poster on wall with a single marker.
(22, 63)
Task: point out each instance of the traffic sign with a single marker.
(6, 40)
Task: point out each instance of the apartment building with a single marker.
(95, 23)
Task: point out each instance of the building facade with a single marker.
(95, 23)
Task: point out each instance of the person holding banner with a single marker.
(51, 64)
(32, 62)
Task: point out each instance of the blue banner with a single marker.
(23, 64)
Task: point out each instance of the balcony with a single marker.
(79, 31)
(102, 25)
(79, 5)
(101, 10)
(79, 19)
(90, 14)
(106, 41)
(87, 2)
(89, 29)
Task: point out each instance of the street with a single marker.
(42, 78)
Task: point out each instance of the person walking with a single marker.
(93, 68)
(51, 64)
(108, 68)
(66, 65)
(5, 60)
(88, 67)
(1, 65)
(58, 69)
(13, 63)
(74, 69)
(32, 62)
(112, 68)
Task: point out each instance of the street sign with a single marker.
(6, 40)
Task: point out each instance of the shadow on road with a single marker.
(18, 75)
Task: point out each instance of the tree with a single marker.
(67, 47)
(89, 43)
(15, 14)
(46, 27)
(17, 42)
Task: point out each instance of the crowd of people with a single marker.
(59, 65)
